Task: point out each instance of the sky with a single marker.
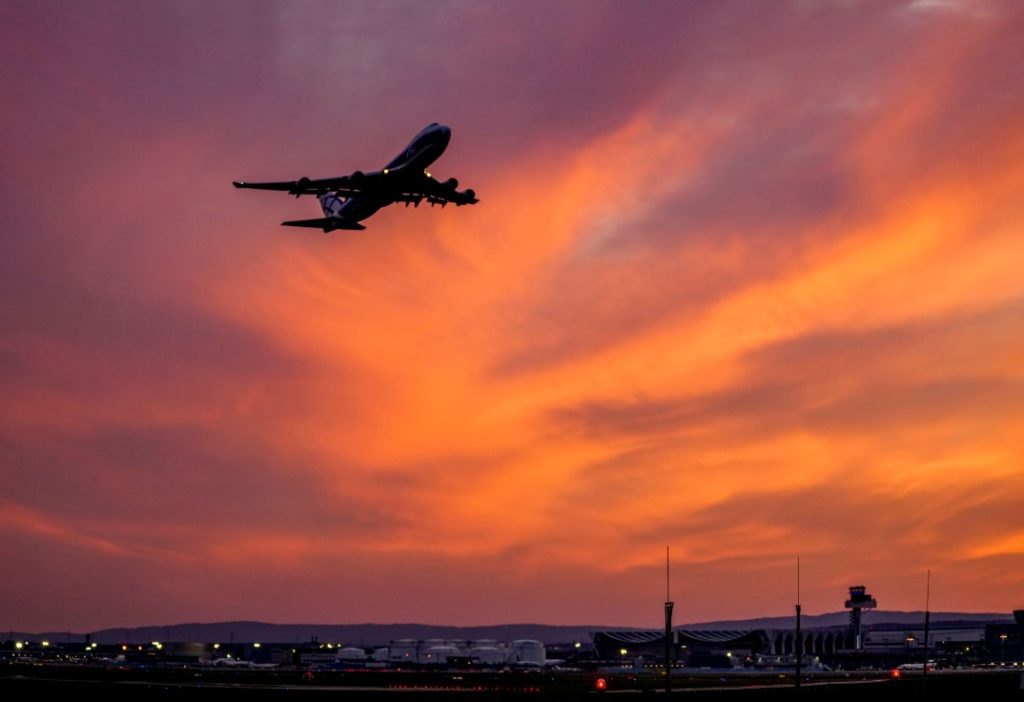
(746, 279)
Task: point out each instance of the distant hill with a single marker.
(350, 634)
(381, 634)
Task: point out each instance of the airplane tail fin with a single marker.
(331, 204)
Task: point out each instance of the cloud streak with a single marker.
(743, 279)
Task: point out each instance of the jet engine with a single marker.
(300, 186)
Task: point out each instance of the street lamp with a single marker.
(1002, 641)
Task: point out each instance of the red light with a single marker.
(602, 684)
(896, 673)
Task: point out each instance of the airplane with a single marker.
(347, 200)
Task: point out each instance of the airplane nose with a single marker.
(444, 134)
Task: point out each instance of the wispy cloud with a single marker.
(745, 280)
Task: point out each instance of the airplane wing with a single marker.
(355, 184)
(396, 187)
(436, 192)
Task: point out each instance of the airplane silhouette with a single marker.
(347, 200)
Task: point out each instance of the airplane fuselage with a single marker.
(425, 148)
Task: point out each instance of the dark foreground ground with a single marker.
(31, 682)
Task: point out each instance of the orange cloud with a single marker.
(767, 305)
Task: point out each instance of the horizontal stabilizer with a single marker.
(326, 224)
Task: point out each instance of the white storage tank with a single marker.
(403, 651)
(351, 653)
(438, 655)
(487, 655)
(527, 652)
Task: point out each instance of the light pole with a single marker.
(799, 637)
(669, 604)
(1002, 642)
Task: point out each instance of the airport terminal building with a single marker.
(956, 642)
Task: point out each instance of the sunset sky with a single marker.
(746, 279)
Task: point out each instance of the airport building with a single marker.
(858, 644)
(716, 648)
(525, 653)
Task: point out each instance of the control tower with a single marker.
(860, 601)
